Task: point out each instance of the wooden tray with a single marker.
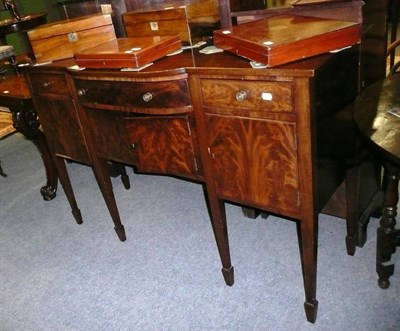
(128, 52)
(287, 38)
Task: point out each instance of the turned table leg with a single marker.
(387, 236)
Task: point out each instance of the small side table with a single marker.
(15, 95)
(382, 130)
(13, 25)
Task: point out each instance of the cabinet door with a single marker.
(110, 138)
(255, 162)
(62, 127)
(163, 144)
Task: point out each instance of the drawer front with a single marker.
(126, 95)
(251, 95)
(48, 84)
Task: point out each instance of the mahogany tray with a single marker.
(287, 38)
(128, 52)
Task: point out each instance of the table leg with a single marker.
(387, 236)
(26, 121)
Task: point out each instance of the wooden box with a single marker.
(191, 20)
(314, 2)
(62, 39)
(128, 52)
(287, 38)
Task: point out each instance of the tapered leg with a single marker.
(352, 183)
(216, 206)
(387, 236)
(102, 175)
(250, 212)
(66, 184)
(1, 172)
(124, 176)
(117, 169)
(221, 235)
(308, 251)
(218, 220)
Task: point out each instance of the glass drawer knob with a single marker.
(241, 95)
(81, 92)
(147, 97)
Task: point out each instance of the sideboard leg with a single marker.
(308, 251)
(125, 178)
(228, 275)
(216, 206)
(250, 212)
(218, 220)
(352, 182)
(66, 185)
(100, 169)
(311, 309)
(1, 171)
(118, 169)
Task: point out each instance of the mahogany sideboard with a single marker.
(372, 14)
(248, 135)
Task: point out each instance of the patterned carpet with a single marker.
(6, 126)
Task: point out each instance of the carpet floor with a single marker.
(57, 275)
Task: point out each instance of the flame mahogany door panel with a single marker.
(163, 144)
(255, 162)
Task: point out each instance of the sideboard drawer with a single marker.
(48, 84)
(251, 95)
(163, 97)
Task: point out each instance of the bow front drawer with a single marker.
(250, 95)
(143, 97)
